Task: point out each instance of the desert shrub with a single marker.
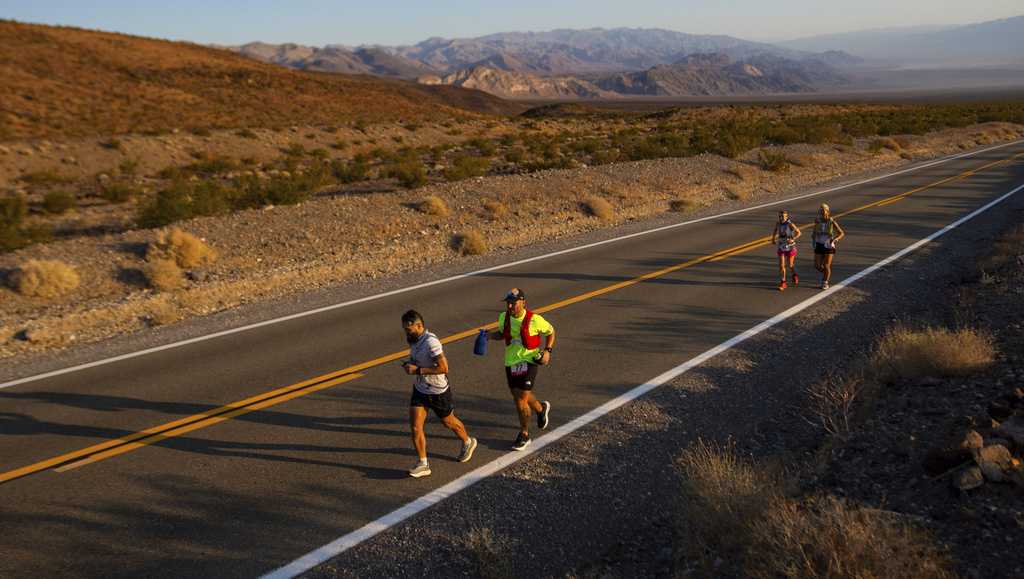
(185, 249)
(41, 278)
(494, 210)
(470, 242)
(774, 161)
(14, 233)
(163, 274)
(736, 520)
(412, 127)
(736, 194)
(129, 167)
(162, 312)
(185, 200)
(741, 172)
(398, 139)
(937, 352)
(465, 166)
(246, 134)
(350, 171)
(682, 205)
(44, 178)
(339, 145)
(484, 147)
(409, 173)
(515, 155)
(831, 403)
(117, 192)
(826, 537)
(433, 205)
(294, 150)
(1005, 250)
(57, 202)
(360, 125)
(599, 208)
(319, 153)
(723, 494)
(201, 132)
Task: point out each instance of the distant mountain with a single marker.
(514, 84)
(597, 50)
(594, 63)
(334, 58)
(991, 43)
(717, 74)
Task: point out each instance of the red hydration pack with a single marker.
(529, 342)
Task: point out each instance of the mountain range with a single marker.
(594, 63)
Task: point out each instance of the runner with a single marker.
(522, 330)
(784, 235)
(826, 233)
(431, 390)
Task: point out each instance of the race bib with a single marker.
(519, 369)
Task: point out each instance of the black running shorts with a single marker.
(442, 404)
(821, 249)
(521, 376)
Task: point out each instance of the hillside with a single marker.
(57, 81)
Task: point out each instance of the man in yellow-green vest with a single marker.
(522, 331)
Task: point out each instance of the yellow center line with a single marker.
(187, 424)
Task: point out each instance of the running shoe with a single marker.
(542, 416)
(467, 450)
(782, 285)
(522, 441)
(796, 279)
(421, 469)
(824, 285)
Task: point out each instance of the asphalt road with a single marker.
(254, 487)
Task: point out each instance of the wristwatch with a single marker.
(548, 350)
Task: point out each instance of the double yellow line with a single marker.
(214, 416)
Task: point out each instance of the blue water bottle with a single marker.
(480, 347)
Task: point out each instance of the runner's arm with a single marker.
(440, 367)
(839, 229)
(798, 232)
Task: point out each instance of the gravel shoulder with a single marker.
(332, 249)
(600, 502)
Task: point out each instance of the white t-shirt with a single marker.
(422, 353)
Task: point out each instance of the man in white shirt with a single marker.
(430, 390)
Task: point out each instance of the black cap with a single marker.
(514, 295)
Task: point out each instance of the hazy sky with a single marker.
(409, 21)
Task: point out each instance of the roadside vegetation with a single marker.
(217, 184)
(739, 517)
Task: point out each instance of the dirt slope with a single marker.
(65, 82)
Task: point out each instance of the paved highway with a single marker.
(235, 455)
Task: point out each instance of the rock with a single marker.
(958, 450)
(968, 479)
(1012, 430)
(994, 462)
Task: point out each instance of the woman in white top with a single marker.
(826, 233)
(784, 236)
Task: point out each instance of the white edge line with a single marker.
(382, 295)
(345, 542)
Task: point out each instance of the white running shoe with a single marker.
(421, 469)
(467, 450)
